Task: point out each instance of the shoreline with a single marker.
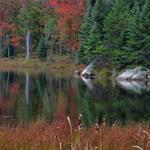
(60, 64)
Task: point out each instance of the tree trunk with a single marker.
(8, 50)
(27, 88)
(28, 45)
(60, 48)
(26, 24)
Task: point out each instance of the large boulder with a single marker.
(133, 74)
(127, 74)
(141, 75)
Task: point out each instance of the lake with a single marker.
(27, 97)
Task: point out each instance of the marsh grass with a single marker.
(63, 136)
(143, 140)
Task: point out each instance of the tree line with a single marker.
(119, 29)
(39, 27)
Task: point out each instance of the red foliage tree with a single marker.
(69, 14)
(9, 30)
(8, 27)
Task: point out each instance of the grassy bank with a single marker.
(62, 136)
(62, 64)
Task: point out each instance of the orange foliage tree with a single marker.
(70, 13)
(8, 34)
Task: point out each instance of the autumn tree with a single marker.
(37, 23)
(9, 9)
(9, 38)
(69, 14)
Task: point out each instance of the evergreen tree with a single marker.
(99, 13)
(34, 16)
(93, 42)
(94, 32)
(131, 3)
(84, 33)
(135, 11)
(116, 25)
(139, 38)
(96, 37)
(127, 53)
(42, 49)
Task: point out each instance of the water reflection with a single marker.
(122, 104)
(135, 86)
(26, 97)
(88, 83)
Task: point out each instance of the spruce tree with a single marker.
(95, 33)
(131, 3)
(139, 38)
(99, 13)
(127, 53)
(84, 32)
(42, 49)
(135, 11)
(94, 37)
(94, 41)
(116, 25)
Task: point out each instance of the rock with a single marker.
(133, 74)
(141, 75)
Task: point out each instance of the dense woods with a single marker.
(81, 28)
(118, 29)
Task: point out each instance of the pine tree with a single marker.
(84, 33)
(136, 10)
(116, 25)
(94, 30)
(94, 41)
(131, 3)
(42, 49)
(99, 13)
(139, 39)
(135, 14)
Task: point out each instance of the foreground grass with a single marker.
(62, 136)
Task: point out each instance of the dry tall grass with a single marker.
(62, 136)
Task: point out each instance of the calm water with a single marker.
(26, 97)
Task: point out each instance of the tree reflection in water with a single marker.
(27, 97)
(113, 104)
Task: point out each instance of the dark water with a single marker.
(26, 97)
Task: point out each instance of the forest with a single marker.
(82, 29)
